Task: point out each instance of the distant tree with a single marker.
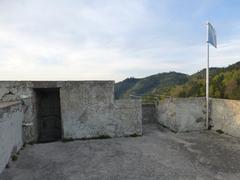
(217, 87)
(224, 83)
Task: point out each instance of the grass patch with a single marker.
(7, 166)
(14, 157)
(84, 139)
(219, 131)
(97, 137)
(65, 140)
(31, 143)
(103, 137)
(134, 135)
(87, 138)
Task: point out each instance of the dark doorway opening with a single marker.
(48, 114)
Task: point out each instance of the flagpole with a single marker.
(207, 82)
(207, 87)
(211, 39)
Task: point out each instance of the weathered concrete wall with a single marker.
(182, 114)
(225, 116)
(149, 113)
(11, 117)
(23, 90)
(88, 110)
(187, 114)
(127, 117)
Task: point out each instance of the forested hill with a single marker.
(158, 83)
(224, 83)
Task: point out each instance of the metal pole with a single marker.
(207, 87)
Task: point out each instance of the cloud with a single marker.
(84, 40)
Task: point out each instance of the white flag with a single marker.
(211, 35)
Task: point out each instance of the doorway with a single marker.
(48, 114)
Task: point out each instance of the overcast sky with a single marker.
(113, 39)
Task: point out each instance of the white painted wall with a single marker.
(11, 117)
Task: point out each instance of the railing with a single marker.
(148, 99)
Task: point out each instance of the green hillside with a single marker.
(224, 83)
(123, 87)
(158, 83)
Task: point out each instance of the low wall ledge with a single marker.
(9, 103)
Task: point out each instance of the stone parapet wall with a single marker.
(88, 109)
(128, 117)
(182, 114)
(11, 118)
(225, 116)
(188, 114)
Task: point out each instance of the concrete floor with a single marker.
(159, 154)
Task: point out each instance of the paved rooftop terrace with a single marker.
(158, 154)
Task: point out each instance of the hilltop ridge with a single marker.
(224, 83)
